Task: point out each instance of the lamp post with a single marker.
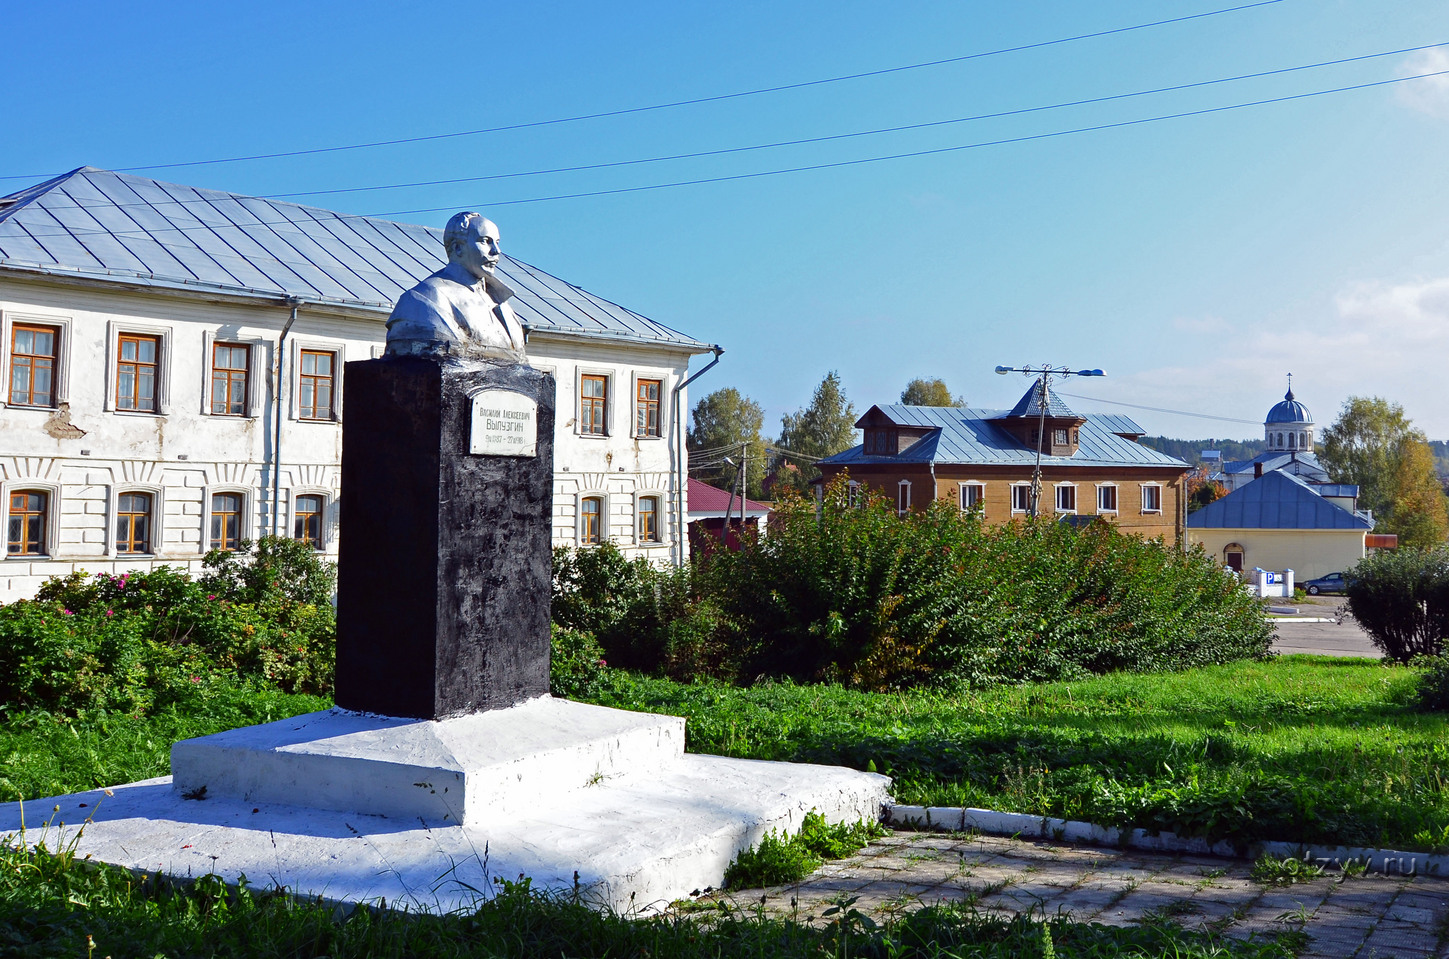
(1043, 374)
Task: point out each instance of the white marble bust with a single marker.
(462, 310)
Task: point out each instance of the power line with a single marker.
(921, 153)
(677, 103)
(1157, 409)
(820, 139)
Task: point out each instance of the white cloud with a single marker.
(1430, 95)
(1389, 340)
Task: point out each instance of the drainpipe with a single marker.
(677, 454)
(293, 302)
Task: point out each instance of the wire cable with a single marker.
(779, 88)
(1158, 409)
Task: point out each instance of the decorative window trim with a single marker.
(660, 517)
(903, 497)
(1145, 488)
(1057, 497)
(1022, 509)
(114, 330)
(1117, 498)
(158, 513)
(52, 516)
(61, 389)
(853, 496)
(961, 495)
(248, 512)
(603, 497)
(609, 397)
(258, 354)
(663, 381)
(329, 508)
(338, 349)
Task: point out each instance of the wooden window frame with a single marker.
(138, 365)
(1116, 497)
(47, 514)
(597, 536)
(980, 496)
(60, 377)
(1026, 487)
(208, 540)
(126, 546)
(234, 379)
(643, 406)
(1152, 509)
(643, 535)
(304, 379)
(17, 327)
(319, 515)
(1057, 489)
(594, 404)
(903, 497)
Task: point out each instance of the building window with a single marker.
(1233, 557)
(1059, 437)
(1152, 499)
(649, 519)
(1106, 499)
(1066, 499)
(1020, 499)
(139, 359)
(230, 367)
(133, 523)
(591, 520)
(315, 385)
(593, 405)
(29, 514)
(853, 496)
(903, 497)
(32, 364)
(307, 520)
(647, 408)
(880, 442)
(226, 520)
(973, 496)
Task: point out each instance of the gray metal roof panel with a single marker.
(976, 437)
(1275, 501)
(1117, 423)
(122, 227)
(1030, 404)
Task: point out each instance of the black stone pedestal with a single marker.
(444, 568)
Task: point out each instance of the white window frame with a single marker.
(610, 398)
(329, 509)
(248, 512)
(638, 375)
(338, 349)
(158, 513)
(1021, 486)
(61, 385)
(660, 518)
(903, 497)
(853, 496)
(258, 357)
(579, 498)
(961, 495)
(1116, 497)
(1145, 488)
(115, 329)
(1057, 497)
(52, 519)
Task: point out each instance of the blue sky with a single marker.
(1196, 260)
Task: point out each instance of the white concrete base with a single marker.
(634, 839)
(455, 770)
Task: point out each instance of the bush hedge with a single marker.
(1401, 599)
(849, 592)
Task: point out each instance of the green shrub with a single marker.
(780, 859)
(576, 664)
(1431, 689)
(1401, 599)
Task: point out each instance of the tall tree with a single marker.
(1362, 446)
(1418, 513)
(919, 392)
(821, 429)
(727, 425)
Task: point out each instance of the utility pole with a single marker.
(1043, 374)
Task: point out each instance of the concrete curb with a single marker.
(991, 822)
(1301, 619)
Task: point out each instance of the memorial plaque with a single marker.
(504, 424)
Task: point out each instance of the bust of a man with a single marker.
(462, 310)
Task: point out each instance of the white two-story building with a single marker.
(174, 377)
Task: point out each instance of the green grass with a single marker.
(779, 859)
(1301, 749)
(52, 905)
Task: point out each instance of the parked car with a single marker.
(1332, 583)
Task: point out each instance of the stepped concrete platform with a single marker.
(616, 811)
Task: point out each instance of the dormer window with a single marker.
(880, 442)
(1060, 437)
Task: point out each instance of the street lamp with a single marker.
(1043, 374)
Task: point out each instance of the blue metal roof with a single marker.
(979, 437)
(1336, 489)
(114, 226)
(1276, 501)
(1298, 464)
(1288, 411)
(1030, 404)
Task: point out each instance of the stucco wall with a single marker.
(1309, 553)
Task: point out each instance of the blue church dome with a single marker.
(1289, 411)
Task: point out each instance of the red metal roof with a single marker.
(704, 498)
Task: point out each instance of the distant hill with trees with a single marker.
(1190, 451)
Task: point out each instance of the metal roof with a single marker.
(1299, 464)
(1290, 411)
(115, 226)
(704, 498)
(978, 437)
(1030, 404)
(1276, 501)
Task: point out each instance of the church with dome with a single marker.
(1288, 436)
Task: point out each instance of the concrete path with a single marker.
(1326, 639)
(1367, 916)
